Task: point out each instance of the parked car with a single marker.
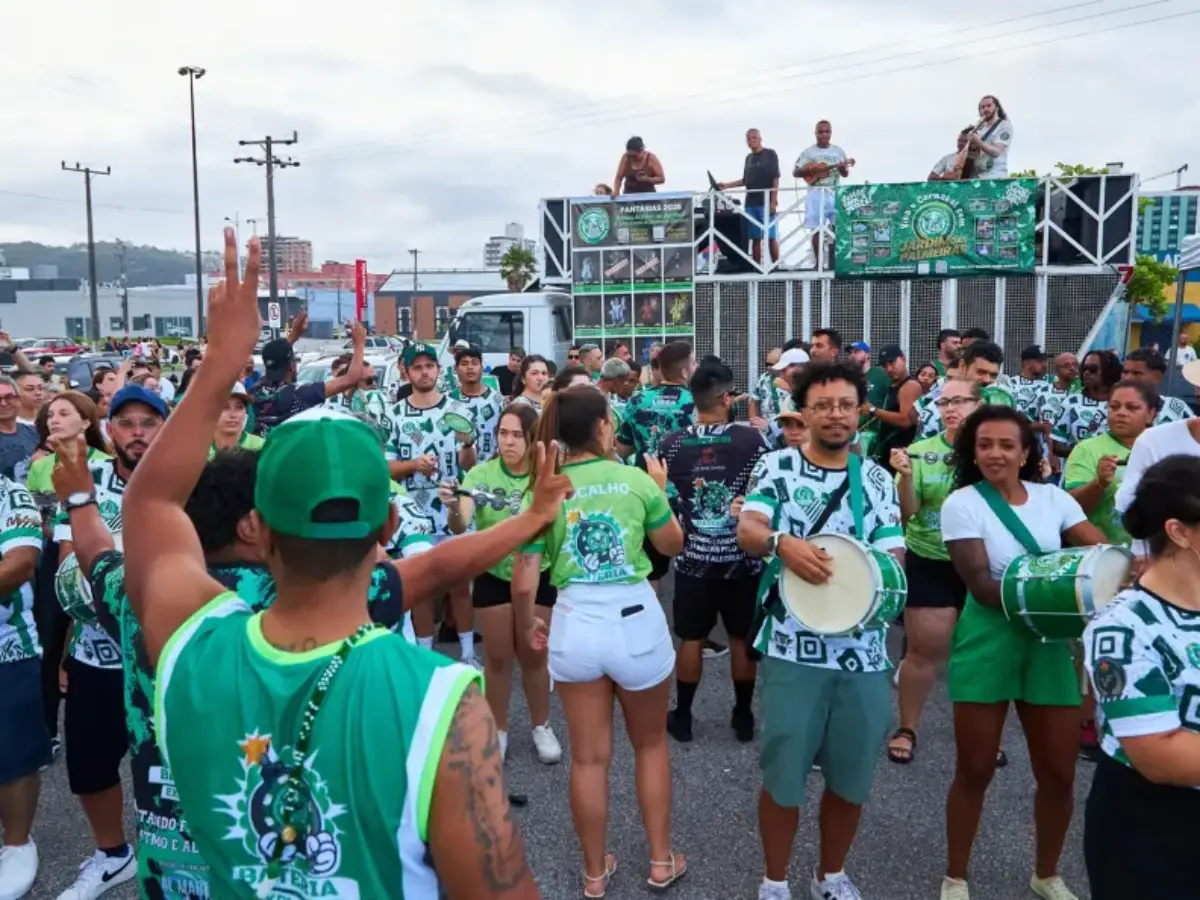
(54, 347)
(79, 369)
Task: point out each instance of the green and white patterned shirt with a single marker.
(20, 526)
(485, 410)
(1173, 410)
(1143, 657)
(792, 493)
(1080, 418)
(414, 432)
(91, 644)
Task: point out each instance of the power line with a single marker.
(558, 121)
(76, 202)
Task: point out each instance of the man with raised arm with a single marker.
(283, 728)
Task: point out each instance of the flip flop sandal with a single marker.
(678, 867)
(902, 756)
(610, 868)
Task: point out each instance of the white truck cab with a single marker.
(538, 322)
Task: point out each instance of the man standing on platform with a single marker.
(760, 178)
(822, 166)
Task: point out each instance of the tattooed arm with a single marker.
(477, 851)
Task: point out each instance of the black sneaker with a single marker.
(446, 634)
(1090, 752)
(742, 723)
(679, 726)
(713, 650)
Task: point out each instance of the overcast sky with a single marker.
(431, 124)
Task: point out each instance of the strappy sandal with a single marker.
(902, 756)
(610, 868)
(678, 866)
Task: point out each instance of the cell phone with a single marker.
(632, 611)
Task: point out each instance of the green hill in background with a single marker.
(146, 266)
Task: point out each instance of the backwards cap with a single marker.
(317, 456)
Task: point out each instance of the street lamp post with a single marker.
(192, 73)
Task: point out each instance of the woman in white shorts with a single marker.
(608, 636)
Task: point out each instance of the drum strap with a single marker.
(1008, 518)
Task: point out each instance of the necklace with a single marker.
(293, 799)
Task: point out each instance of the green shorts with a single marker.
(992, 662)
(839, 719)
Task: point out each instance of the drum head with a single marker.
(1108, 574)
(840, 605)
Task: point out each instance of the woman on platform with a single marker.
(936, 593)
(608, 637)
(999, 511)
(638, 171)
(497, 487)
(1139, 826)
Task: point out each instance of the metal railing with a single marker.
(1083, 223)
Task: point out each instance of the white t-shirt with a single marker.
(833, 155)
(994, 166)
(1154, 444)
(1184, 355)
(945, 164)
(1047, 513)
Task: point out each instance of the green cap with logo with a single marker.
(317, 456)
(412, 351)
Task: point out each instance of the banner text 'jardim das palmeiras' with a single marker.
(935, 229)
(633, 270)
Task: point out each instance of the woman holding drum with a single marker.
(1143, 655)
(608, 636)
(999, 512)
(936, 593)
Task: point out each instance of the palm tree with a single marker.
(518, 266)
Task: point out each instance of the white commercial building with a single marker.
(60, 307)
(497, 245)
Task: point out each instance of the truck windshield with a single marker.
(491, 332)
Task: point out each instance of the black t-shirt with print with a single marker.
(707, 467)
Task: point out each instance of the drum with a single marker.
(1053, 596)
(867, 590)
(73, 591)
(457, 417)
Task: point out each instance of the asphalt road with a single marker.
(899, 854)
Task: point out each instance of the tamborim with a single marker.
(1053, 595)
(73, 591)
(867, 590)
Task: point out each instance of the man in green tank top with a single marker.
(288, 778)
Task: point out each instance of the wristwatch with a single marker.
(79, 500)
(773, 540)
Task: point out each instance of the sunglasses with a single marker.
(1090, 370)
(572, 356)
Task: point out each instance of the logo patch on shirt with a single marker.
(1109, 678)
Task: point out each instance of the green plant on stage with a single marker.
(1148, 284)
(1065, 170)
(518, 266)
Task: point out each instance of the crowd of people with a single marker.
(241, 590)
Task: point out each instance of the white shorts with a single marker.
(819, 207)
(598, 630)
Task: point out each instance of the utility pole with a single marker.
(271, 161)
(192, 74)
(124, 286)
(415, 255)
(94, 330)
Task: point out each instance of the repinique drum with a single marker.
(73, 591)
(1053, 596)
(867, 590)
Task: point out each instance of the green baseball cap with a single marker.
(316, 456)
(412, 351)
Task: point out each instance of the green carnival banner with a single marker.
(935, 229)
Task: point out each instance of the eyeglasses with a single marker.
(8, 398)
(1090, 370)
(944, 402)
(826, 407)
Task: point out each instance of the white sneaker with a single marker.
(549, 751)
(953, 889)
(99, 873)
(18, 870)
(774, 891)
(1053, 888)
(834, 887)
(503, 737)
(473, 661)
